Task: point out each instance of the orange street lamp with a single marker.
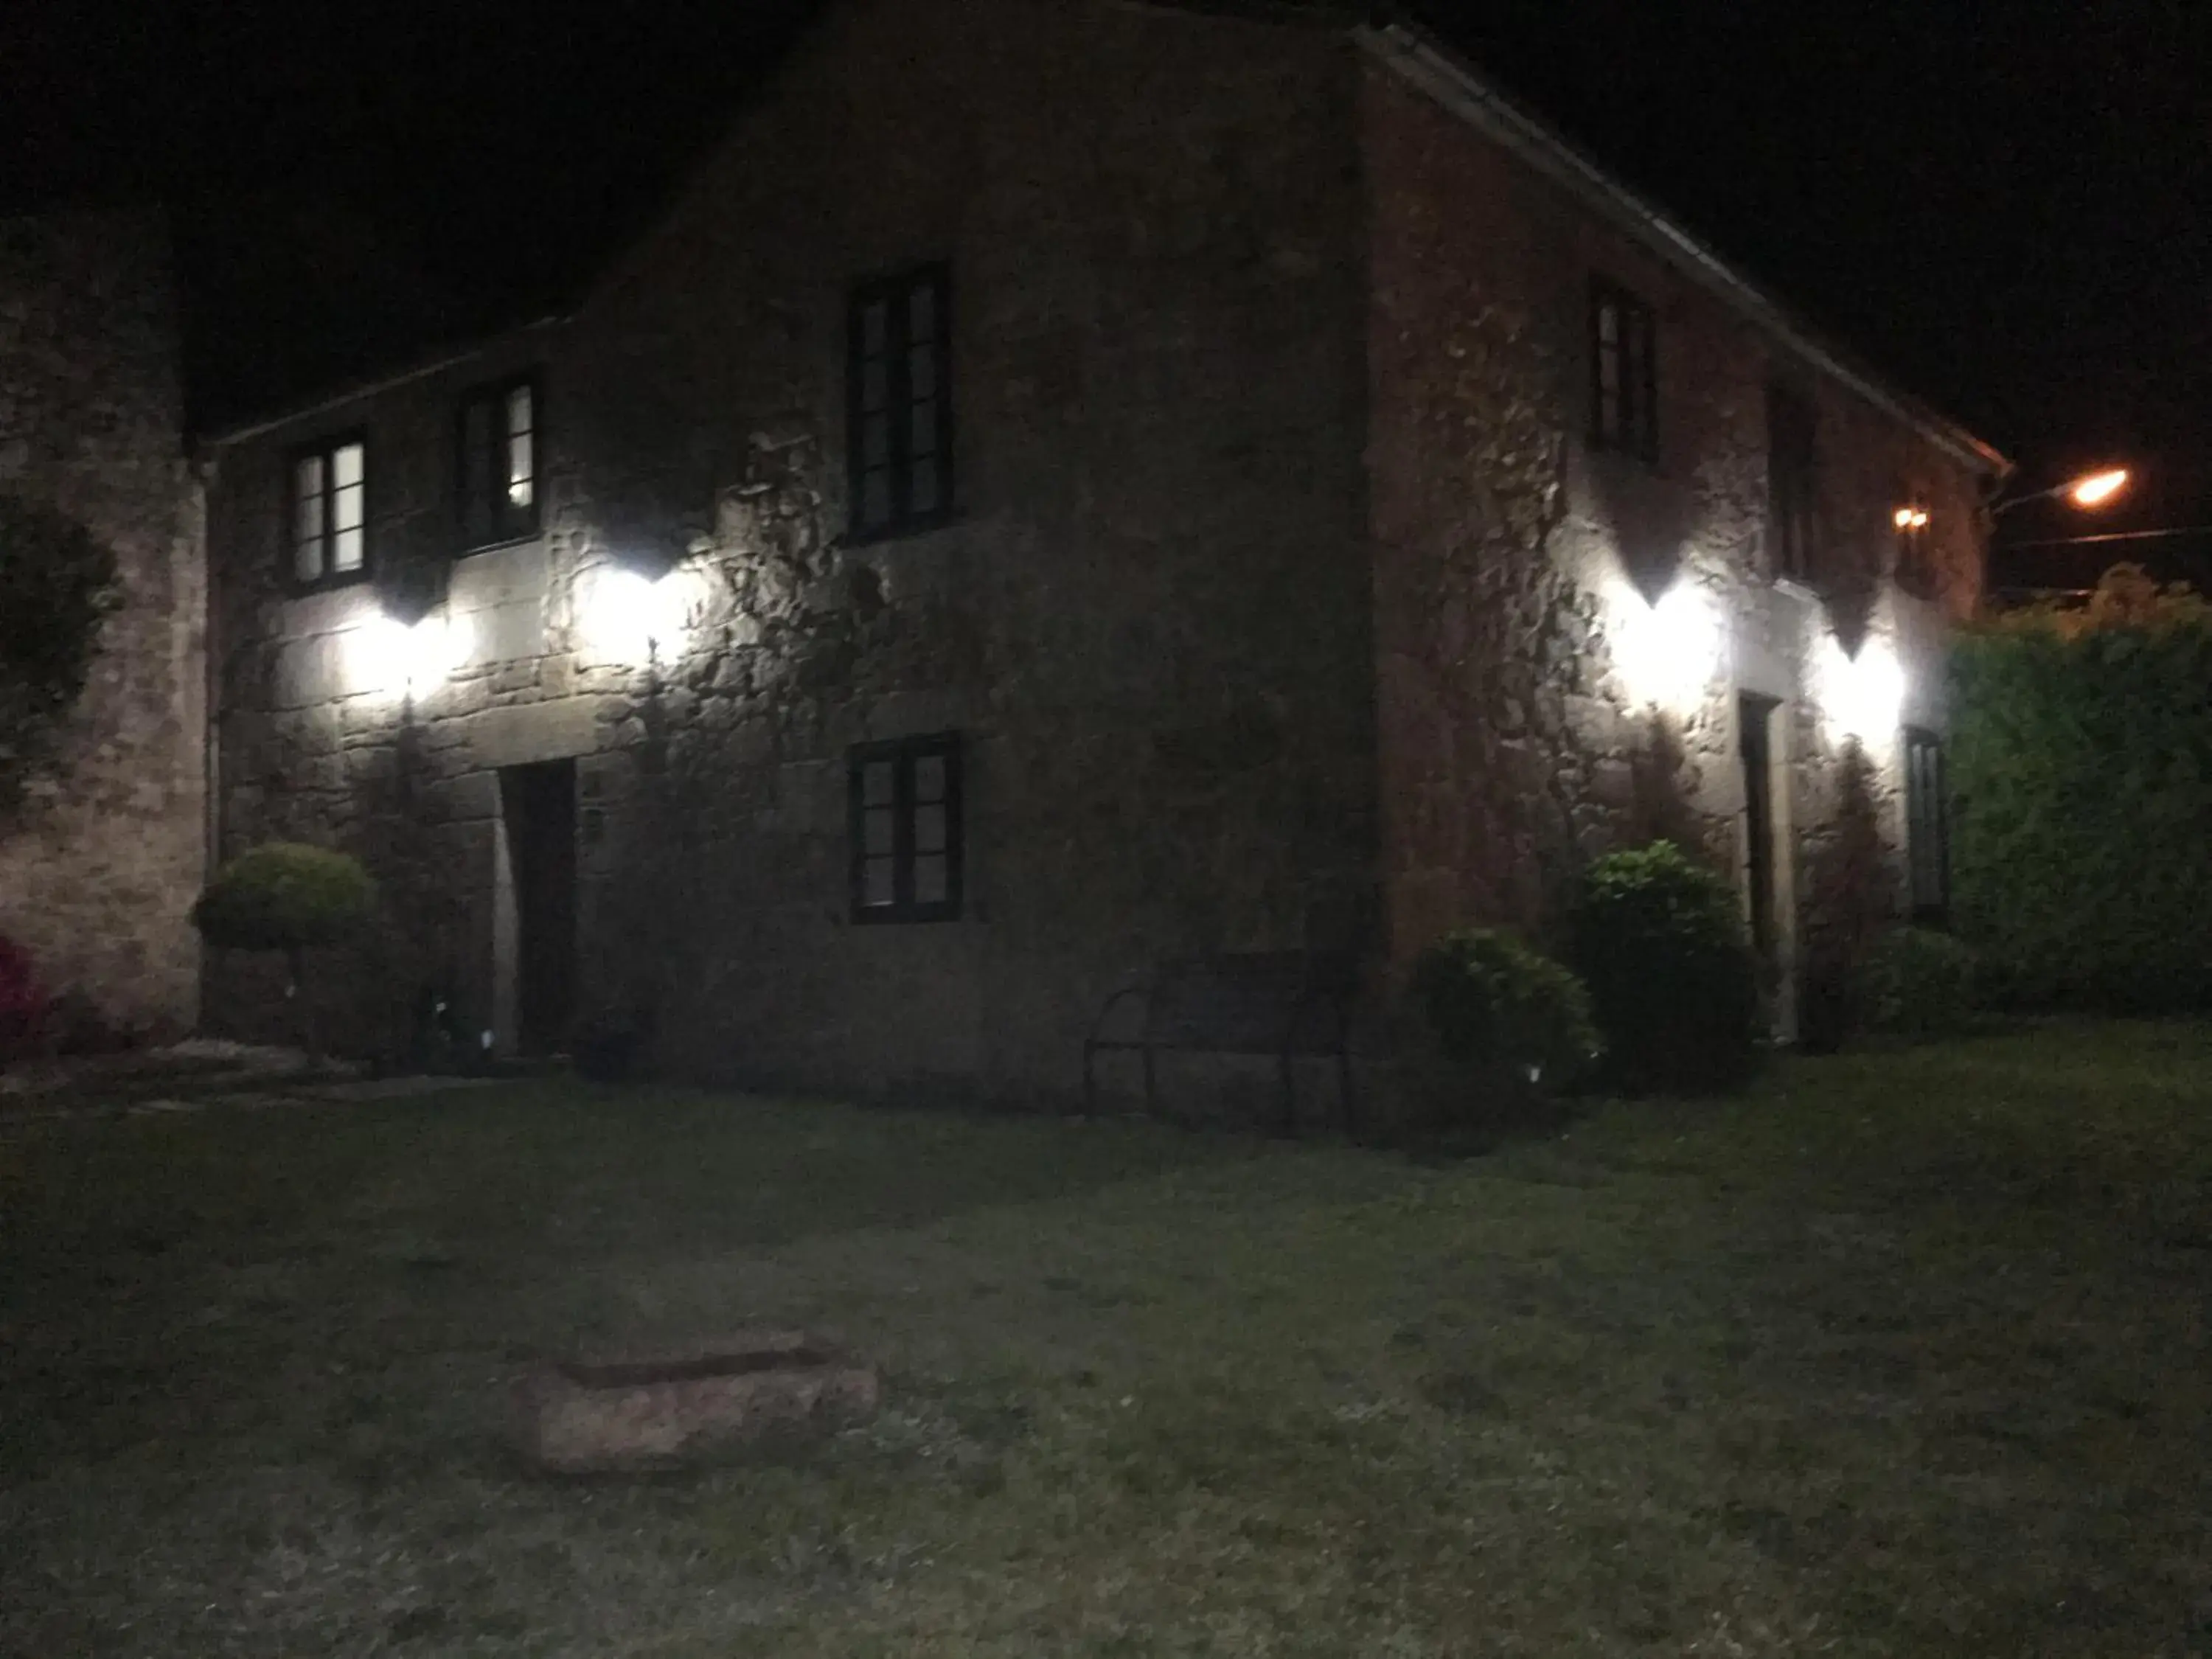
(2091, 489)
(2099, 488)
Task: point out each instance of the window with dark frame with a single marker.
(906, 830)
(497, 469)
(330, 512)
(899, 433)
(1792, 481)
(1927, 827)
(1624, 373)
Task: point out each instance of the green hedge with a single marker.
(2080, 761)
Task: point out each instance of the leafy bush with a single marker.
(57, 584)
(1494, 1003)
(1919, 983)
(284, 896)
(1659, 940)
(2080, 770)
(24, 1004)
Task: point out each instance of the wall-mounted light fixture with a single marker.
(1912, 518)
(389, 657)
(1861, 696)
(1669, 654)
(631, 618)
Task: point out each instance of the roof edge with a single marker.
(1409, 49)
(347, 392)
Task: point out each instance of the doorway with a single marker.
(537, 804)
(1755, 745)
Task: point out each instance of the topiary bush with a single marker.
(24, 1004)
(288, 897)
(1917, 982)
(1659, 940)
(1494, 1004)
(285, 897)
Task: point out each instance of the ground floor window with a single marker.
(906, 830)
(1927, 827)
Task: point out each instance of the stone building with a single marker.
(99, 865)
(1067, 483)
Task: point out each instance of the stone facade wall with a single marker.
(1148, 619)
(98, 868)
(1284, 605)
(1531, 588)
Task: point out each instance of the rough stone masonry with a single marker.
(99, 865)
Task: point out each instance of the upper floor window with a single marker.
(1792, 481)
(1926, 826)
(329, 517)
(906, 830)
(1624, 373)
(899, 430)
(498, 465)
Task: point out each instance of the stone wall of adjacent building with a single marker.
(100, 864)
(1543, 693)
(1148, 620)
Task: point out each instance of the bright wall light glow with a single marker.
(1912, 518)
(387, 658)
(627, 618)
(1861, 696)
(1669, 654)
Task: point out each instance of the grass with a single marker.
(1904, 1354)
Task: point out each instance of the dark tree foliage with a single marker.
(56, 585)
(1659, 940)
(2081, 814)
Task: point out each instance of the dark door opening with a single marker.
(1755, 742)
(540, 805)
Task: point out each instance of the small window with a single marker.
(906, 830)
(330, 512)
(1624, 373)
(899, 434)
(1927, 827)
(1792, 482)
(498, 464)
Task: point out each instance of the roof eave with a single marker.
(1427, 63)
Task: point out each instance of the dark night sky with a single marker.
(2007, 208)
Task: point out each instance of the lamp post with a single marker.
(2091, 489)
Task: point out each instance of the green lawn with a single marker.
(1902, 1354)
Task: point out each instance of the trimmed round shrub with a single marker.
(1917, 982)
(1494, 1003)
(1659, 940)
(285, 897)
(24, 1004)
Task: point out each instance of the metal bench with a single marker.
(1289, 1003)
